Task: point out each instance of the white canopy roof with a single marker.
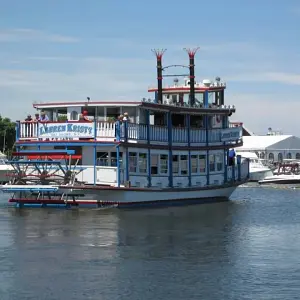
(261, 142)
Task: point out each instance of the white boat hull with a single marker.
(290, 180)
(126, 197)
(258, 175)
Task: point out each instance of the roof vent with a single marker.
(206, 82)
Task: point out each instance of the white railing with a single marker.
(107, 131)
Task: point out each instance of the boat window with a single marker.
(175, 164)
(194, 163)
(219, 162)
(142, 163)
(202, 163)
(211, 162)
(113, 159)
(74, 115)
(184, 164)
(132, 162)
(163, 164)
(154, 164)
(102, 158)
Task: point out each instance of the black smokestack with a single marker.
(191, 54)
(159, 54)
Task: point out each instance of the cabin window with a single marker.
(132, 162)
(154, 164)
(102, 159)
(197, 121)
(297, 155)
(212, 163)
(271, 156)
(163, 164)
(184, 164)
(175, 162)
(142, 163)
(219, 162)
(74, 115)
(194, 163)
(202, 163)
(113, 159)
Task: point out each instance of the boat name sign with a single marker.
(230, 134)
(66, 130)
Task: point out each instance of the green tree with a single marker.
(7, 135)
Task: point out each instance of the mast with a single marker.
(159, 54)
(191, 53)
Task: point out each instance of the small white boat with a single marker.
(257, 170)
(287, 173)
(5, 169)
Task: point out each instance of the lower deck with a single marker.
(152, 168)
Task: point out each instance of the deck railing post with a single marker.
(207, 151)
(118, 130)
(170, 149)
(188, 124)
(95, 129)
(118, 167)
(148, 143)
(238, 161)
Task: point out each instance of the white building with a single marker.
(272, 147)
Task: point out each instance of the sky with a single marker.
(63, 50)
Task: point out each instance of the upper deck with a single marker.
(192, 113)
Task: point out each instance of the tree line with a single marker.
(7, 135)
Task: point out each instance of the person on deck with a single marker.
(83, 117)
(43, 117)
(231, 157)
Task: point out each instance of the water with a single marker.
(248, 248)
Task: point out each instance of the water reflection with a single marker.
(243, 249)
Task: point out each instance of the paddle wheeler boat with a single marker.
(169, 150)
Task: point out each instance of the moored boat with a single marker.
(258, 171)
(287, 173)
(169, 150)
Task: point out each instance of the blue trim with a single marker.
(127, 164)
(68, 152)
(95, 164)
(17, 130)
(225, 166)
(188, 125)
(205, 99)
(149, 152)
(238, 159)
(98, 143)
(126, 130)
(118, 167)
(169, 116)
(118, 131)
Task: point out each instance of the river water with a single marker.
(248, 248)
